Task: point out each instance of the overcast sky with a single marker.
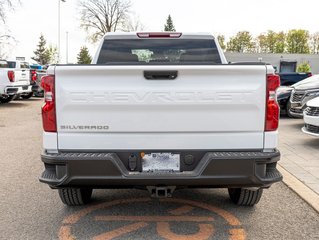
(219, 17)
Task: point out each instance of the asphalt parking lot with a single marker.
(30, 210)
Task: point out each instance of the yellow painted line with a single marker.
(181, 210)
(237, 234)
(300, 188)
(155, 218)
(120, 231)
(205, 232)
(231, 219)
(65, 233)
(74, 218)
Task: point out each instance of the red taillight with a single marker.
(11, 76)
(33, 75)
(309, 74)
(48, 110)
(159, 35)
(272, 108)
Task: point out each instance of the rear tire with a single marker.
(6, 99)
(75, 196)
(27, 96)
(244, 197)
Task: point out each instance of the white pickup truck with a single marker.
(14, 80)
(160, 111)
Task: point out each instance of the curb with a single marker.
(300, 189)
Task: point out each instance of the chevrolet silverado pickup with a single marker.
(23, 69)
(160, 111)
(14, 80)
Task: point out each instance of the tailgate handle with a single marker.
(160, 75)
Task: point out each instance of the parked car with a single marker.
(311, 118)
(288, 79)
(178, 116)
(22, 69)
(13, 81)
(301, 93)
(283, 96)
(37, 73)
(284, 93)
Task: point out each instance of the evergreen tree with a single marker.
(169, 26)
(41, 54)
(84, 56)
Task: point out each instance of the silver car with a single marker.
(303, 92)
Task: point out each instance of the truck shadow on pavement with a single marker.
(190, 214)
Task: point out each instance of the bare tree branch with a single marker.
(7, 43)
(133, 25)
(6, 5)
(101, 16)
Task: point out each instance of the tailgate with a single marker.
(22, 77)
(117, 108)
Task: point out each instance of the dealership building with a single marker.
(282, 62)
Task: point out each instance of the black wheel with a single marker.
(6, 99)
(75, 196)
(29, 95)
(244, 197)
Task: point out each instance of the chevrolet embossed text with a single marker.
(161, 97)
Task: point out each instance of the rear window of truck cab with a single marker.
(3, 64)
(23, 65)
(159, 52)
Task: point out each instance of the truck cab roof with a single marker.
(136, 35)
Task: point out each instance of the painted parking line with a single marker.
(200, 215)
(182, 210)
(121, 231)
(155, 218)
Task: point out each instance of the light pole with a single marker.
(67, 48)
(59, 29)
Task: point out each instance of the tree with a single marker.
(7, 44)
(314, 43)
(84, 56)
(221, 41)
(242, 42)
(41, 54)
(99, 17)
(133, 24)
(281, 42)
(6, 5)
(6, 41)
(53, 54)
(262, 43)
(271, 42)
(304, 67)
(297, 41)
(169, 26)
